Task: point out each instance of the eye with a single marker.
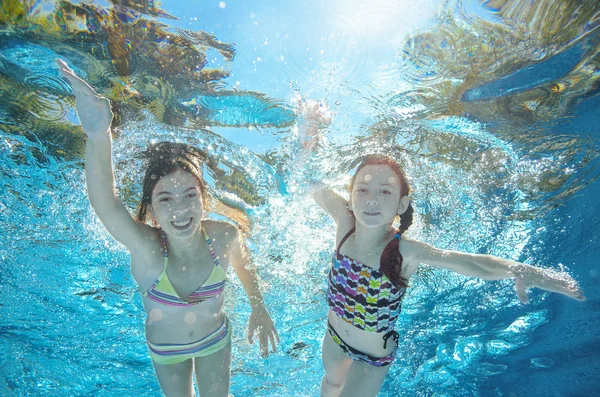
(164, 200)
(386, 192)
(361, 190)
(191, 195)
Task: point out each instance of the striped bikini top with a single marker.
(162, 290)
(362, 296)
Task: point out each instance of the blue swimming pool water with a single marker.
(511, 171)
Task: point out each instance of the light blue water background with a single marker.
(71, 320)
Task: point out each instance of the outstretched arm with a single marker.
(489, 267)
(260, 321)
(96, 116)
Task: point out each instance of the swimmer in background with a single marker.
(373, 263)
(180, 262)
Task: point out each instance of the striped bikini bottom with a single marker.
(170, 353)
(357, 355)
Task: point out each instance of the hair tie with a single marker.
(398, 236)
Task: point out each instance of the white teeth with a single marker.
(181, 223)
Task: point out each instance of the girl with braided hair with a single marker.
(373, 262)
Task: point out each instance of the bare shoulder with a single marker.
(147, 257)
(345, 222)
(228, 242)
(149, 240)
(411, 251)
(222, 233)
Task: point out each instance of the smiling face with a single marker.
(177, 204)
(376, 195)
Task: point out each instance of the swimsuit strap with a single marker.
(396, 236)
(345, 237)
(210, 247)
(163, 238)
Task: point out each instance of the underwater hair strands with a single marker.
(164, 151)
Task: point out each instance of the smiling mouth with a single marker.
(372, 213)
(182, 225)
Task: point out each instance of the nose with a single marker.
(371, 201)
(180, 208)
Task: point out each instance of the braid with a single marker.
(391, 263)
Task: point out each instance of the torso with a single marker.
(186, 323)
(367, 342)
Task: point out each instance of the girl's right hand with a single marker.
(93, 109)
(312, 117)
(313, 113)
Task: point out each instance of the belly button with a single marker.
(191, 333)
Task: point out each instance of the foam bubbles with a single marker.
(156, 315)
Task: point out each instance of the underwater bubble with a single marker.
(190, 318)
(368, 177)
(156, 314)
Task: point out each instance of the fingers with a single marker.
(62, 65)
(574, 292)
(565, 285)
(312, 106)
(273, 342)
(276, 334)
(250, 334)
(65, 70)
(264, 338)
(521, 290)
(79, 85)
(264, 343)
(269, 337)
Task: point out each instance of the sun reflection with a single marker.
(385, 18)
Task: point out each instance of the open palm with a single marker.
(93, 109)
(550, 281)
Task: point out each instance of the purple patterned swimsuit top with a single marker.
(362, 296)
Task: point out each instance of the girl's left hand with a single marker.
(545, 279)
(260, 322)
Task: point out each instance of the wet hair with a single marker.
(164, 158)
(391, 260)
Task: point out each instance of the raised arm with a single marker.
(489, 267)
(312, 119)
(260, 320)
(96, 116)
(334, 204)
